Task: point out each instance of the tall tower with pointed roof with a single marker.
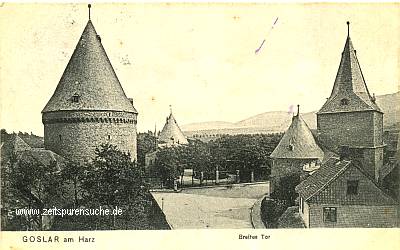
(89, 106)
(296, 149)
(350, 119)
(171, 134)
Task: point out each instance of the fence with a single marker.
(190, 178)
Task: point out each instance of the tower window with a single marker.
(352, 187)
(59, 137)
(75, 98)
(109, 137)
(291, 146)
(344, 101)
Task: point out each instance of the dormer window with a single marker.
(75, 98)
(344, 102)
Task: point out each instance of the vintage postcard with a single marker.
(200, 125)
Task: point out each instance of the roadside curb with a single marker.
(255, 215)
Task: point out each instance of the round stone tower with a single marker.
(89, 106)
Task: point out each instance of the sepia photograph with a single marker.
(248, 120)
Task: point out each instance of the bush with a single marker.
(285, 189)
(271, 210)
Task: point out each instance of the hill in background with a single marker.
(279, 121)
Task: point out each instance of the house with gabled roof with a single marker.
(12, 147)
(342, 194)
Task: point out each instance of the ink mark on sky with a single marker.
(260, 46)
(272, 27)
(291, 109)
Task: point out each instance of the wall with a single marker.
(373, 161)
(305, 214)
(355, 129)
(82, 132)
(285, 167)
(355, 216)
(157, 217)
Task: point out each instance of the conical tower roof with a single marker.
(171, 134)
(350, 92)
(298, 142)
(89, 81)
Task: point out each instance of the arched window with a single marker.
(344, 101)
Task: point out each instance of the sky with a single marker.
(199, 58)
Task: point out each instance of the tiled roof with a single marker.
(90, 76)
(386, 169)
(349, 84)
(328, 173)
(321, 177)
(171, 134)
(42, 156)
(12, 146)
(298, 142)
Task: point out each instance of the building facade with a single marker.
(341, 194)
(89, 106)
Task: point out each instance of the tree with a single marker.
(113, 180)
(146, 143)
(167, 165)
(28, 184)
(285, 189)
(73, 176)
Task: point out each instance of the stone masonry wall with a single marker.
(76, 134)
(355, 129)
